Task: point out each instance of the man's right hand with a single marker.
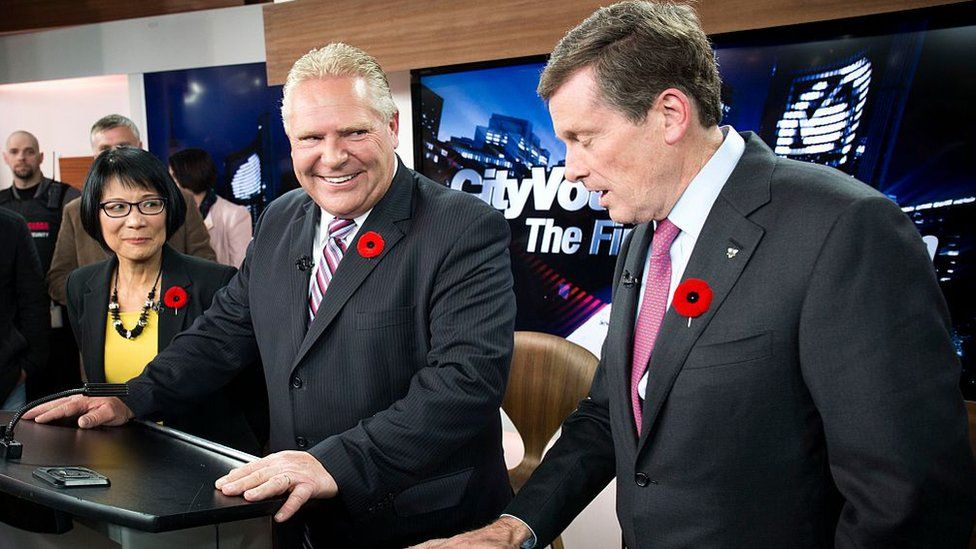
(92, 411)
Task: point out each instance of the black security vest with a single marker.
(42, 212)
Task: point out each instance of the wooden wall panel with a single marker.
(74, 169)
(410, 34)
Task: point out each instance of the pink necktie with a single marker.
(652, 309)
(335, 246)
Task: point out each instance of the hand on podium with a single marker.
(93, 411)
(290, 471)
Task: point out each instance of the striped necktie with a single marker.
(335, 246)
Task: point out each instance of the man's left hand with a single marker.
(289, 471)
(505, 533)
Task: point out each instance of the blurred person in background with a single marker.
(229, 224)
(37, 198)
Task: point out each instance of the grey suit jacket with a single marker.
(814, 404)
(395, 386)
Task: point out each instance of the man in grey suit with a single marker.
(778, 370)
(381, 305)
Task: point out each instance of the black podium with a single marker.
(161, 494)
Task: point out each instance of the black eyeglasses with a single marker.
(121, 208)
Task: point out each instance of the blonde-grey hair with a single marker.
(340, 60)
(110, 121)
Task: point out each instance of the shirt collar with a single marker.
(327, 218)
(692, 208)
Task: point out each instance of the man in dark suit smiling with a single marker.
(386, 352)
(778, 370)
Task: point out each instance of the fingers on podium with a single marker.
(299, 495)
(229, 482)
(265, 486)
(56, 409)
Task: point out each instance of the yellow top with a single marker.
(126, 358)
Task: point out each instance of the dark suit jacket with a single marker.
(815, 403)
(24, 315)
(395, 386)
(75, 248)
(221, 418)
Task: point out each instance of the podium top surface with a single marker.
(160, 481)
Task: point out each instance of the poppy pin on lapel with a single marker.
(692, 298)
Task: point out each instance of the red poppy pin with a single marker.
(692, 298)
(175, 298)
(370, 244)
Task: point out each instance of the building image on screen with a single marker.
(486, 132)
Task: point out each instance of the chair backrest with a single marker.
(549, 377)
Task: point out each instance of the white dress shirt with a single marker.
(690, 212)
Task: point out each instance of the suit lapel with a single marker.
(727, 226)
(172, 321)
(94, 318)
(301, 231)
(395, 206)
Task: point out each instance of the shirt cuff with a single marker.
(529, 543)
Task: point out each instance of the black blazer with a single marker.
(24, 315)
(396, 385)
(816, 403)
(220, 417)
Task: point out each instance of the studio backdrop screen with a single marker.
(230, 112)
(890, 100)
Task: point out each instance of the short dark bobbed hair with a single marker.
(194, 170)
(132, 168)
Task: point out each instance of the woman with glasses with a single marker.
(128, 308)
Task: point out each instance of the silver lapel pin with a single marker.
(731, 252)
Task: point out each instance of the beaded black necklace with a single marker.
(113, 309)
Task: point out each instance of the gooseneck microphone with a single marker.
(11, 449)
(304, 263)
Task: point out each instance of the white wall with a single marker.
(60, 113)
